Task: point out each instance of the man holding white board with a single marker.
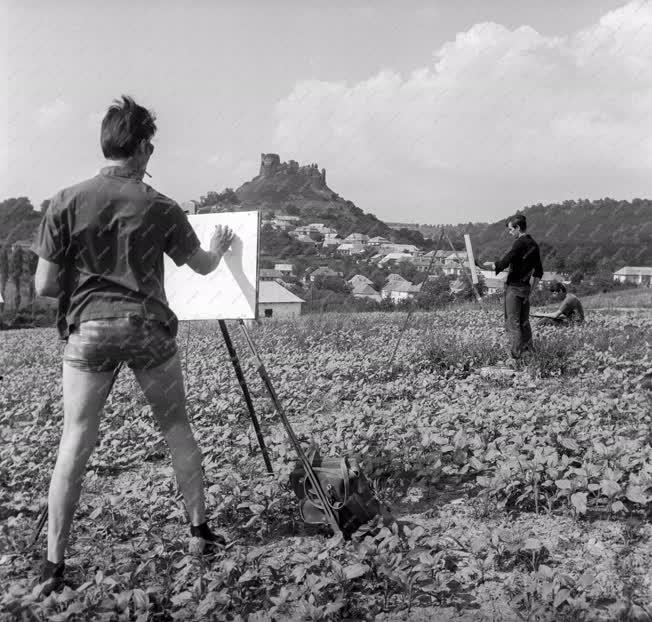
(523, 262)
(101, 247)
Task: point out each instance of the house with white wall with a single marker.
(277, 302)
(641, 275)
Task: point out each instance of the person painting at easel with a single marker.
(100, 246)
(525, 270)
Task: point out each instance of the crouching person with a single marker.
(100, 246)
(570, 310)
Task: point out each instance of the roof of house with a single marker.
(634, 271)
(378, 238)
(352, 246)
(360, 278)
(305, 239)
(268, 272)
(401, 286)
(283, 266)
(395, 257)
(401, 247)
(271, 291)
(395, 277)
(364, 289)
(324, 271)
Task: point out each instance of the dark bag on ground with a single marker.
(350, 494)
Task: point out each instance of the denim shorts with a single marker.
(100, 345)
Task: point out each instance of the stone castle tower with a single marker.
(270, 164)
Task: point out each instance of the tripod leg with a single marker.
(245, 392)
(314, 480)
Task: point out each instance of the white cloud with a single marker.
(48, 114)
(496, 107)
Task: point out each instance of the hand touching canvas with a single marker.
(230, 291)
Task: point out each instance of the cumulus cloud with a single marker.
(48, 114)
(494, 106)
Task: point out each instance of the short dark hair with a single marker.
(124, 125)
(517, 221)
(556, 286)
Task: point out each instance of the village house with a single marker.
(494, 285)
(398, 257)
(356, 238)
(190, 207)
(322, 271)
(549, 278)
(359, 279)
(275, 301)
(351, 248)
(305, 239)
(399, 248)
(424, 262)
(267, 274)
(364, 290)
(378, 241)
(331, 240)
(284, 268)
(399, 290)
(281, 225)
(395, 278)
(634, 275)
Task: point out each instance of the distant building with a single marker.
(274, 301)
(267, 274)
(395, 257)
(399, 248)
(322, 271)
(550, 277)
(190, 207)
(399, 290)
(364, 290)
(356, 238)
(378, 241)
(424, 262)
(359, 279)
(351, 248)
(332, 239)
(494, 285)
(634, 275)
(285, 268)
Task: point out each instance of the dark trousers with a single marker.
(517, 319)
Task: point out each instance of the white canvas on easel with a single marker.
(230, 292)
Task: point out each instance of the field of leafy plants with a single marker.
(518, 496)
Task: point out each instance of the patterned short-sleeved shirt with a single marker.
(108, 235)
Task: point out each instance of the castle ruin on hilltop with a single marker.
(270, 165)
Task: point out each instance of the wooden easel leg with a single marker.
(314, 480)
(245, 392)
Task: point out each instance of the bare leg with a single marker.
(84, 394)
(164, 390)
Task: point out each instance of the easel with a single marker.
(260, 368)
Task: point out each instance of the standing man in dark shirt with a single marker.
(524, 263)
(100, 246)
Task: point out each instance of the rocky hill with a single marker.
(289, 188)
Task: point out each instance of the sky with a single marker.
(422, 112)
